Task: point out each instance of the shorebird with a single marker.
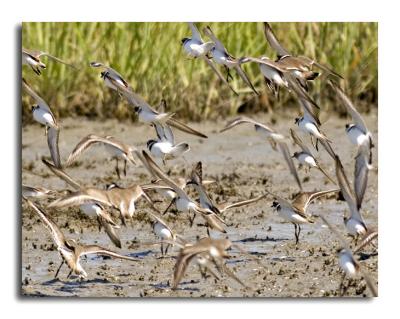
(301, 66)
(355, 224)
(350, 267)
(111, 78)
(277, 76)
(306, 157)
(357, 132)
(36, 192)
(182, 201)
(296, 211)
(211, 251)
(197, 48)
(69, 249)
(145, 112)
(165, 233)
(92, 203)
(164, 147)
(124, 199)
(274, 138)
(221, 56)
(32, 58)
(196, 180)
(310, 124)
(42, 113)
(115, 147)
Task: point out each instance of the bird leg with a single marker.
(228, 74)
(191, 219)
(125, 161)
(70, 273)
(162, 249)
(58, 270)
(166, 249)
(169, 206)
(117, 168)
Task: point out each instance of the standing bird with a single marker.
(358, 133)
(273, 138)
(116, 148)
(350, 267)
(165, 233)
(69, 249)
(221, 56)
(296, 211)
(305, 157)
(42, 113)
(164, 147)
(32, 58)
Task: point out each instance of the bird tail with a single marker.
(179, 149)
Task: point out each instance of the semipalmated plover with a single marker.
(354, 223)
(301, 65)
(221, 56)
(306, 157)
(164, 147)
(296, 211)
(357, 132)
(42, 114)
(182, 201)
(273, 137)
(347, 262)
(69, 249)
(32, 58)
(115, 147)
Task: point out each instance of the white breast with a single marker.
(147, 117)
(43, 117)
(307, 159)
(109, 84)
(347, 264)
(221, 58)
(354, 227)
(194, 48)
(159, 149)
(161, 231)
(273, 75)
(291, 216)
(89, 209)
(184, 205)
(356, 136)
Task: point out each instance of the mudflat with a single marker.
(244, 165)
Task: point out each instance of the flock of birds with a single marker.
(290, 72)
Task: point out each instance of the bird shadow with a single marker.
(365, 256)
(141, 254)
(254, 239)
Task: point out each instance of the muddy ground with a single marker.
(244, 165)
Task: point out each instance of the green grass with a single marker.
(151, 59)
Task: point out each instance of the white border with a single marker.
(13, 12)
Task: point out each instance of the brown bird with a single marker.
(69, 249)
